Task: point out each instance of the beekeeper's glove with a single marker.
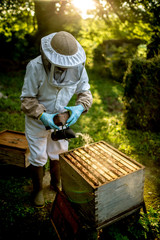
(47, 120)
(76, 113)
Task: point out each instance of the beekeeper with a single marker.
(50, 82)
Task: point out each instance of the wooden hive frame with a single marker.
(102, 181)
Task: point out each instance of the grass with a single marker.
(11, 116)
(18, 217)
(104, 121)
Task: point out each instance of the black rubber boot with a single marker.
(55, 175)
(37, 179)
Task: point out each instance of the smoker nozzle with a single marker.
(67, 133)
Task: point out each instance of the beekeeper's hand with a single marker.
(47, 120)
(76, 113)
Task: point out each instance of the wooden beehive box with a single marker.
(14, 148)
(102, 182)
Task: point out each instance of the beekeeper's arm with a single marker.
(29, 103)
(84, 99)
(84, 96)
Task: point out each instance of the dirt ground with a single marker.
(152, 187)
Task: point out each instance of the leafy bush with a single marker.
(17, 51)
(112, 57)
(142, 94)
(150, 222)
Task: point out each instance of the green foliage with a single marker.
(16, 18)
(17, 25)
(94, 35)
(132, 11)
(151, 222)
(112, 57)
(21, 32)
(135, 18)
(141, 94)
(90, 37)
(54, 16)
(109, 44)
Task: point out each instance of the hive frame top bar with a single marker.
(110, 165)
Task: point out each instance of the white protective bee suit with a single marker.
(48, 89)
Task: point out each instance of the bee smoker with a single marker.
(66, 133)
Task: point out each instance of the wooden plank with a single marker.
(84, 158)
(119, 216)
(83, 171)
(93, 165)
(124, 156)
(105, 156)
(14, 148)
(27, 163)
(72, 180)
(121, 159)
(116, 151)
(119, 195)
(89, 168)
(118, 157)
(96, 164)
(102, 158)
(117, 170)
(13, 139)
(94, 185)
(16, 157)
(78, 190)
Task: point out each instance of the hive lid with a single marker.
(13, 139)
(100, 163)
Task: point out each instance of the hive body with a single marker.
(102, 182)
(14, 148)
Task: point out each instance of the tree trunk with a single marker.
(49, 18)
